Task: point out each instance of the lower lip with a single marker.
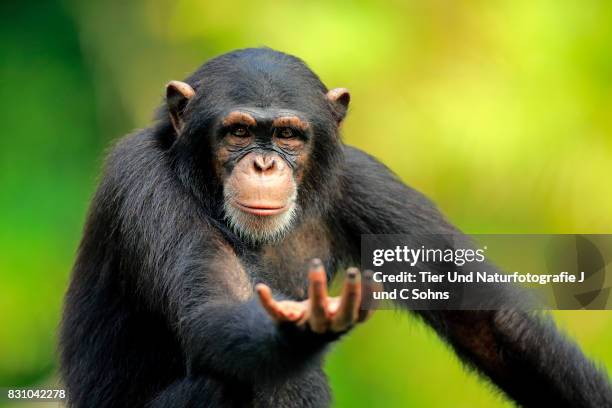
(261, 211)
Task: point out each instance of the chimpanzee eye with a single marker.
(240, 131)
(285, 133)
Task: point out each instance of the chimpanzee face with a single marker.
(260, 158)
(267, 126)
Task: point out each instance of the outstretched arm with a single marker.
(230, 337)
(524, 354)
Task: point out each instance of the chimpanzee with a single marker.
(201, 277)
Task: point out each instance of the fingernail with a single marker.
(316, 263)
(367, 274)
(352, 274)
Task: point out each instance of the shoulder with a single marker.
(139, 181)
(373, 199)
(365, 175)
(135, 152)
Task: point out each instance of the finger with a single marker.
(350, 301)
(368, 303)
(267, 301)
(317, 293)
(284, 311)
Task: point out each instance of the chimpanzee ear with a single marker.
(177, 95)
(339, 99)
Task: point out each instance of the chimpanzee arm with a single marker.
(232, 336)
(240, 341)
(183, 269)
(524, 354)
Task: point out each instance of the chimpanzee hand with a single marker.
(321, 312)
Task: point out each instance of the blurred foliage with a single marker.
(499, 111)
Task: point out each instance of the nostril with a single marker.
(270, 163)
(263, 163)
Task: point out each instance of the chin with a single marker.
(260, 229)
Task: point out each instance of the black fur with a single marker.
(160, 309)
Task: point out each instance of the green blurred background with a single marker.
(501, 111)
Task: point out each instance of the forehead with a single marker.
(261, 103)
(260, 91)
(250, 115)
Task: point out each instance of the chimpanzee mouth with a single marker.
(258, 223)
(262, 209)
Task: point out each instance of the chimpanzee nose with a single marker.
(263, 163)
